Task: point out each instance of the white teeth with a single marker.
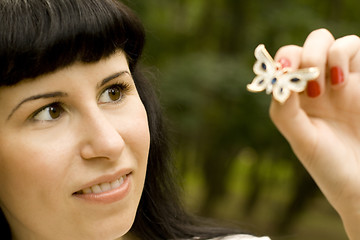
(115, 184)
(121, 180)
(104, 187)
(87, 190)
(96, 189)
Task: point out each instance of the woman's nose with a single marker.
(101, 138)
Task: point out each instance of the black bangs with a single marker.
(40, 36)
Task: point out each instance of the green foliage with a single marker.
(204, 52)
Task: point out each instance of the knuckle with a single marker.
(344, 44)
(313, 59)
(323, 35)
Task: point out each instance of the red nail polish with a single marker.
(313, 89)
(337, 75)
(284, 62)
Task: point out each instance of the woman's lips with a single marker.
(103, 187)
(106, 191)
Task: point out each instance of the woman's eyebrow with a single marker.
(113, 76)
(35, 97)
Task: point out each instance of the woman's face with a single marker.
(73, 152)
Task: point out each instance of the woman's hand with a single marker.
(322, 125)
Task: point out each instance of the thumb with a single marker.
(294, 124)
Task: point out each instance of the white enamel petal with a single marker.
(258, 84)
(281, 94)
(263, 57)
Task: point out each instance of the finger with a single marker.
(288, 116)
(343, 57)
(293, 123)
(314, 54)
(289, 56)
(355, 63)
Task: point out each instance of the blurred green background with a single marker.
(235, 165)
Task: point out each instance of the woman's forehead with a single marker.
(116, 62)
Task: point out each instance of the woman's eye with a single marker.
(111, 94)
(49, 113)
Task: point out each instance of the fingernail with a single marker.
(284, 62)
(337, 75)
(313, 89)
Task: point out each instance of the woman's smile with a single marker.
(107, 189)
